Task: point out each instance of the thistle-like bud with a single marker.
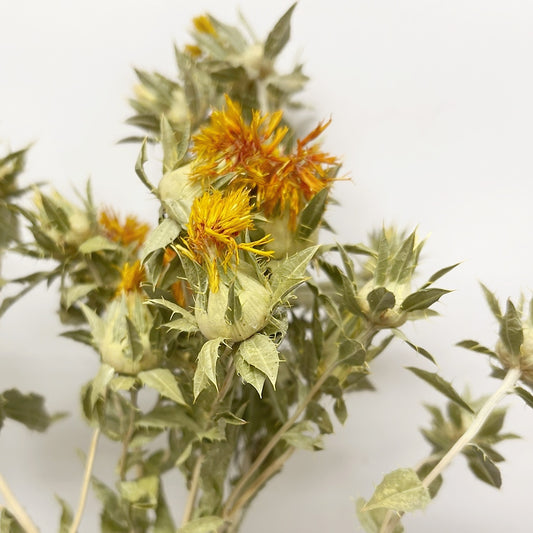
(235, 312)
(122, 336)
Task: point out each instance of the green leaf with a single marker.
(260, 352)
(320, 417)
(401, 268)
(134, 340)
(161, 236)
(205, 524)
(290, 272)
(525, 395)
(340, 410)
(164, 382)
(97, 244)
(476, 347)
(493, 302)
(400, 491)
(99, 383)
(142, 493)
(8, 523)
(422, 299)
(28, 409)
(511, 332)
(233, 309)
(312, 214)
(66, 516)
(76, 292)
(380, 299)
(382, 260)
(139, 167)
(279, 35)
(441, 385)
(482, 466)
(301, 436)
(371, 521)
(206, 370)
(163, 522)
(421, 351)
(249, 373)
(439, 275)
(169, 144)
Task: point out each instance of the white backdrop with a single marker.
(432, 114)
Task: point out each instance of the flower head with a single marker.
(229, 144)
(131, 231)
(215, 226)
(131, 277)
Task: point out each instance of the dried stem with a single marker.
(16, 509)
(193, 489)
(507, 385)
(86, 481)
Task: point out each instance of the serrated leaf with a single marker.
(401, 267)
(401, 491)
(511, 332)
(206, 369)
(371, 521)
(422, 299)
(421, 351)
(205, 524)
(260, 352)
(492, 301)
(476, 347)
(312, 214)
(279, 35)
(442, 386)
(380, 299)
(164, 382)
(134, 340)
(233, 308)
(301, 436)
(249, 373)
(119, 383)
(290, 272)
(382, 260)
(439, 275)
(99, 383)
(161, 237)
(482, 466)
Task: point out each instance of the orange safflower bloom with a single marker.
(227, 144)
(131, 231)
(217, 220)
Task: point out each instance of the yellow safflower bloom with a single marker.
(217, 220)
(131, 277)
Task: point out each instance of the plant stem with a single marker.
(14, 507)
(261, 479)
(193, 490)
(86, 480)
(506, 386)
(122, 465)
(230, 507)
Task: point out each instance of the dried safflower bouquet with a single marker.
(228, 335)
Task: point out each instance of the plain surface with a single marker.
(432, 114)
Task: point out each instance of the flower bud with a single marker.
(255, 306)
(392, 317)
(524, 360)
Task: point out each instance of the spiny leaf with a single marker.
(525, 395)
(371, 521)
(139, 167)
(422, 299)
(401, 491)
(438, 275)
(260, 352)
(380, 299)
(476, 347)
(312, 214)
(482, 466)
(493, 302)
(511, 332)
(441, 385)
(206, 369)
(279, 35)
(205, 524)
(164, 382)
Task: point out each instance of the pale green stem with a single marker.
(86, 481)
(193, 490)
(229, 507)
(507, 385)
(14, 507)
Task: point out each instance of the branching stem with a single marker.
(507, 385)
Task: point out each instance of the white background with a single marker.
(432, 113)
